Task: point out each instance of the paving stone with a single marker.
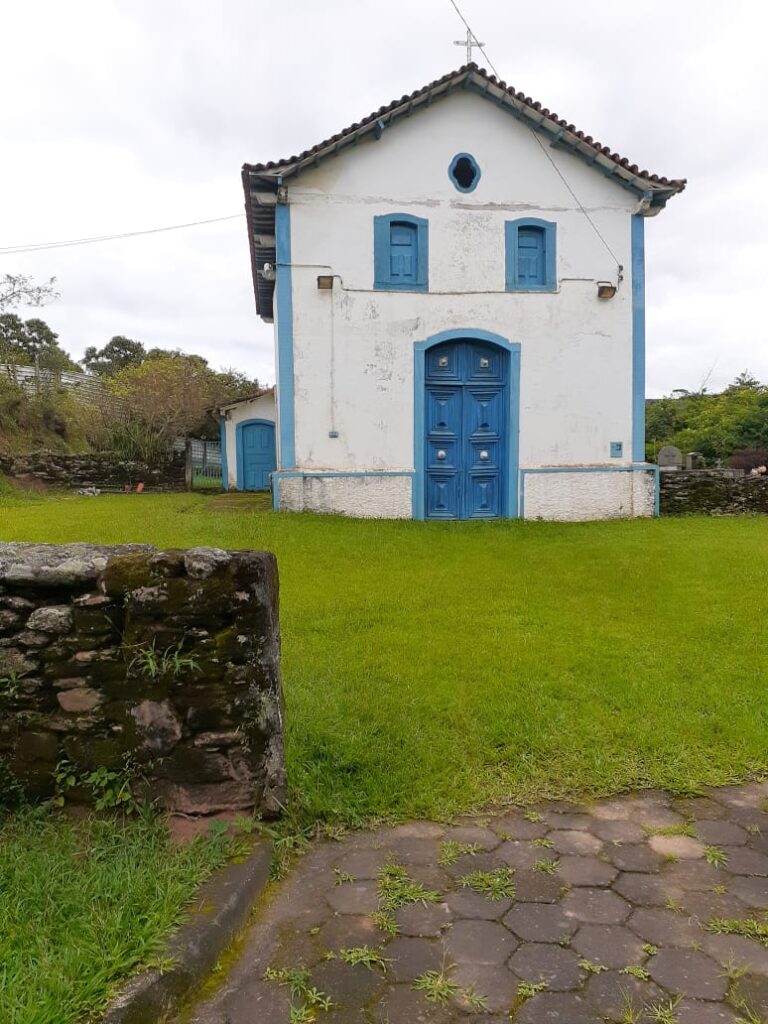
(413, 850)
(347, 985)
(664, 927)
(556, 1008)
(683, 847)
(494, 983)
(752, 891)
(568, 821)
(484, 837)
(353, 898)
(657, 817)
(466, 863)
(467, 903)
(398, 1003)
(634, 858)
(518, 827)
(739, 950)
(260, 1001)
(703, 906)
(610, 810)
(612, 993)
(479, 942)
(362, 864)
(743, 861)
(611, 945)
(613, 831)
(750, 796)
(417, 830)
(694, 1011)
(595, 906)
(647, 890)
(721, 833)
(701, 808)
(586, 871)
(537, 961)
(752, 989)
(540, 922)
(431, 877)
(346, 930)
(420, 920)
(413, 957)
(519, 853)
(296, 948)
(689, 973)
(695, 874)
(574, 842)
(538, 886)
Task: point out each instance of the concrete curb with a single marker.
(221, 910)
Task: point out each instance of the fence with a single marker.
(203, 462)
(34, 378)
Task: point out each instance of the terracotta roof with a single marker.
(531, 109)
(246, 398)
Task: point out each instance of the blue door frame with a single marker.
(420, 349)
(239, 447)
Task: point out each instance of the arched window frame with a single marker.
(513, 281)
(382, 251)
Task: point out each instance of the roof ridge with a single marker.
(676, 184)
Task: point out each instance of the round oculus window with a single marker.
(464, 172)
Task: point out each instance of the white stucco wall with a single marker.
(593, 495)
(353, 346)
(261, 408)
(367, 497)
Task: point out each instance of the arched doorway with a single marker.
(467, 427)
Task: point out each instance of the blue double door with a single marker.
(466, 424)
(256, 454)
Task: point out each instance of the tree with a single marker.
(118, 354)
(19, 289)
(32, 341)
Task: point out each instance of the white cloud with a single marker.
(127, 114)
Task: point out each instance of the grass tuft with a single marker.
(749, 928)
(498, 884)
(395, 888)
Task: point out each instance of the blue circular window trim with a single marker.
(475, 168)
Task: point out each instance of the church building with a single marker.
(457, 289)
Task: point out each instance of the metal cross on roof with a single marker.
(469, 42)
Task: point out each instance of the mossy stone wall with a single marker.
(105, 470)
(168, 658)
(712, 492)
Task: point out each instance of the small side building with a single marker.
(248, 442)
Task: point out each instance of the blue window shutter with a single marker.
(531, 263)
(403, 252)
(400, 253)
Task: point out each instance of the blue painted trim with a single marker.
(513, 413)
(285, 473)
(286, 454)
(476, 167)
(644, 466)
(223, 442)
(382, 277)
(239, 445)
(511, 275)
(638, 338)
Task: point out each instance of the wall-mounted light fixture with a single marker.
(282, 193)
(325, 282)
(605, 290)
(268, 272)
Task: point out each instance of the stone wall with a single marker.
(168, 658)
(713, 492)
(105, 470)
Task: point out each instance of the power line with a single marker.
(542, 146)
(40, 246)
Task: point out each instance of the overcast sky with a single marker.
(120, 115)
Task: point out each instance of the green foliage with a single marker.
(167, 664)
(363, 956)
(86, 904)
(498, 884)
(748, 927)
(118, 354)
(32, 341)
(306, 1000)
(51, 418)
(438, 987)
(109, 789)
(395, 888)
(11, 792)
(715, 425)
(450, 851)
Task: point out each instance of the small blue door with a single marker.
(465, 423)
(255, 455)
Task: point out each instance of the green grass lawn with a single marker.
(434, 667)
(82, 905)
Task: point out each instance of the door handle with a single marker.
(441, 455)
(483, 456)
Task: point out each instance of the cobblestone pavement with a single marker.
(617, 911)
